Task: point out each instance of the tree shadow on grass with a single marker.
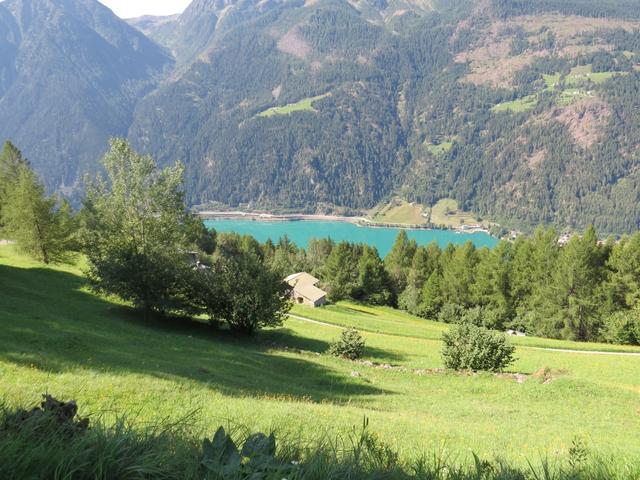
(49, 320)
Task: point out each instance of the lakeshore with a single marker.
(301, 231)
(355, 220)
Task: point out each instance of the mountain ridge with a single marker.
(73, 60)
(524, 113)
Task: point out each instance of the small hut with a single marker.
(304, 290)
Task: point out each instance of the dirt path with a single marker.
(317, 322)
(585, 352)
(559, 350)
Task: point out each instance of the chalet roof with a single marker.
(310, 292)
(301, 278)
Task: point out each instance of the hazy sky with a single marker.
(136, 8)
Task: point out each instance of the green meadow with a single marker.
(60, 338)
(446, 212)
(439, 148)
(570, 88)
(523, 104)
(304, 105)
(398, 211)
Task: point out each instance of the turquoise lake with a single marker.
(300, 232)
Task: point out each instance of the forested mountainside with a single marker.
(525, 111)
(71, 73)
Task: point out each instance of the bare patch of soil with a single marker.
(585, 120)
(546, 375)
(535, 159)
(490, 59)
(293, 44)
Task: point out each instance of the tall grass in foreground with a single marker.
(41, 447)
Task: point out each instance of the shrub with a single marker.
(622, 328)
(450, 313)
(468, 347)
(350, 345)
(479, 316)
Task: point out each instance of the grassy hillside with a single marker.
(304, 105)
(446, 212)
(58, 337)
(398, 211)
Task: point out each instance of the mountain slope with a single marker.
(523, 112)
(349, 151)
(70, 79)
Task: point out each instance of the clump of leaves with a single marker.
(349, 346)
(578, 453)
(469, 347)
(221, 458)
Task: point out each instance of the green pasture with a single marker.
(60, 338)
(304, 105)
(399, 212)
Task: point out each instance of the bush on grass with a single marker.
(469, 347)
(349, 346)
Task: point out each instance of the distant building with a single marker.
(304, 290)
(564, 239)
(517, 333)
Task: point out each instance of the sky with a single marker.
(137, 8)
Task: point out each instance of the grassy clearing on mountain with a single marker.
(523, 104)
(58, 337)
(304, 105)
(399, 212)
(551, 80)
(446, 212)
(583, 73)
(439, 148)
(571, 88)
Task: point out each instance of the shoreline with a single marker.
(296, 217)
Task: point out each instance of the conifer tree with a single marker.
(459, 275)
(341, 271)
(11, 163)
(398, 261)
(622, 288)
(373, 282)
(572, 301)
(492, 288)
(42, 226)
(432, 300)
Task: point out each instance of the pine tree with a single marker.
(425, 261)
(572, 299)
(533, 264)
(341, 272)
(492, 288)
(373, 282)
(11, 164)
(398, 261)
(459, 275)
(622, 288)
(432, 300)
(42, 226)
